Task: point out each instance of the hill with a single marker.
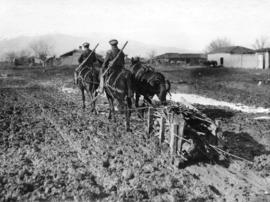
(62, 43)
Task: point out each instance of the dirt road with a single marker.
(52, 150)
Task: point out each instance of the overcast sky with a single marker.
(189, 24)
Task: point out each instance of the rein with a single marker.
(83, 78)
(113, 85)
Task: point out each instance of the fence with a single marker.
(171, 123)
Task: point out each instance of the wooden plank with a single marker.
(173, 134)
(150, 120)
(180, 133)
(177, 131)
(162, 129)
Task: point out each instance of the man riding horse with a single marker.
(117, 81)
(86, 76)
(89, 63)
(110, 55)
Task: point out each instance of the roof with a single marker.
(233, 50)
(180, 55)
(70, 53)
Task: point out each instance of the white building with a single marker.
(264, 55)
(71, 57)
(240, 57)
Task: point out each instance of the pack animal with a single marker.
(148, 82)
(118, 82)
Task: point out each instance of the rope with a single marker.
(230, 154)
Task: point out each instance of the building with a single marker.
(71, 57)
(240, 57)
(264, 55)
(180, 58)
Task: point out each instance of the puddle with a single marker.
(197, 99)
(189, 99)
(262, 118)
(69, 90)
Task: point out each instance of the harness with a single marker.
(144, 69)
(113, 84)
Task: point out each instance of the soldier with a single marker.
(90, 61)
(86, 52)
(110, 55)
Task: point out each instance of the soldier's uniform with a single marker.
(90, 61)
(110, 55)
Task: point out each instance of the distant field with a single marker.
(247, 86)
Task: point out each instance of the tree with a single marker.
(10, 56)
(41, 49)
(151, 55)
(24, 53)
(218, 43)
(260, 43)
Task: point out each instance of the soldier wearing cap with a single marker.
(110, 55)
(89, 63)
(86, 52)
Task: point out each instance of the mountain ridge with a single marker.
(62, 43)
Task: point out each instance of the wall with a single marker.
(71, 60)
(267, 60)
(237, 60)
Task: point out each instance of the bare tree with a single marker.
(151, 55)
(24, 53)
(41, 49)
(218, 43)
(260, 43)
(10, 56)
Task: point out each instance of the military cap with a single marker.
(86, 44)
(113, 42)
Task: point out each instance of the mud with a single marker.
(52, 150)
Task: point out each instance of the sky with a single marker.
(185, 24)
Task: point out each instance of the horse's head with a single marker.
(135, 64)
(135, 60)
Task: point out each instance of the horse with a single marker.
(88, 80)
(147, 82)
(118, 86)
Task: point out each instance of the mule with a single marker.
(88, 80)
(118, 86)
(148, 83)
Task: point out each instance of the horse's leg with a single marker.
(90, 96)
(128, 113)
(147, 99)
(111, 112)
(162, 93)
(137, 98)
(139, 111)
(94, 103)
(83, 96)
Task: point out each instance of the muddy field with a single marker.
(51, 150)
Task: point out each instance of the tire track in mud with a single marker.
(54, 150)
(111, 172)
(90, 158)
(138, 155)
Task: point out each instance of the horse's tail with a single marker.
(168, 87)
